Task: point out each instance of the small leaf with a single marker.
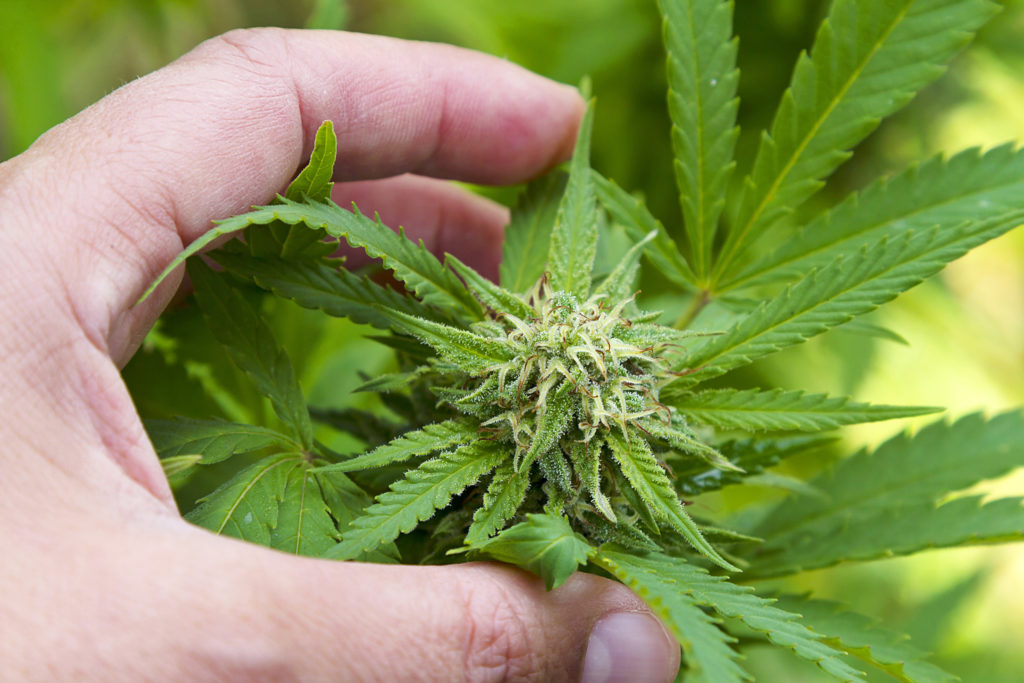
(551, 424)
(418, 496)
(304, 526)
(314, 181)
(574, 237)
(544, 544)
(702, 101)
(491, 295)
(650, 481)
(679, 437)
(777, 409)
(252, 347)
(411, 263)
(524, 255)
(470, 352)
(211, 440)
(328, 288)
(430, 439)
(502, 499)
(248, 504)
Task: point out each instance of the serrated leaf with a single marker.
(304, 526)
(411, 263)
(345, 500)
(394, 381)
(586, 461)
(502, 499)
(544, 544)
(652, 484)
(749, 456)
(247, 505)
(869, 495)
(635, 501)
(524, 252)
(850, 285)
(703, 78)
(777, 409)
(574, 237)
(682, 439)
(211, 440)
(868, 59)
(866, 639)
(490, 295)
(252, 347)
(727, 600)
(320, 286)
(969, 186)
(472, 353)
(551, 424)
(418, 496)
(631, 214)
(901, 529)
(430, 439)
(707, 656)
(314, 181)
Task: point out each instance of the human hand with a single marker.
(100, 576)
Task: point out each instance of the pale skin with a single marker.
(99, 575)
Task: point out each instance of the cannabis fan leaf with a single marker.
(549, 420)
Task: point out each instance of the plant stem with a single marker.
(697, 304)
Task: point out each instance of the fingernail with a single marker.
(630, 646)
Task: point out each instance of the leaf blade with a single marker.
(702, 101)
(919, 473)
(574, 236)
(848, 286)
(416, 497)
(252, 347)
(528, 231)
(214, 440)
(650, 481)
(728, 600)
(778, 409)
(430, 439)
(544, 544)
(864, 638)
(858, 72)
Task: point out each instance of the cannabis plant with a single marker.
(553, 421)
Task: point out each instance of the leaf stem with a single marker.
(697, 304)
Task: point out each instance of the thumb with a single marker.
(473, 622)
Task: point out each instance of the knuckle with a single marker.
(498, 644)
(259, 50)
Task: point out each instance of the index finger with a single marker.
(226, 126)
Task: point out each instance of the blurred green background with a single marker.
(965, 329)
